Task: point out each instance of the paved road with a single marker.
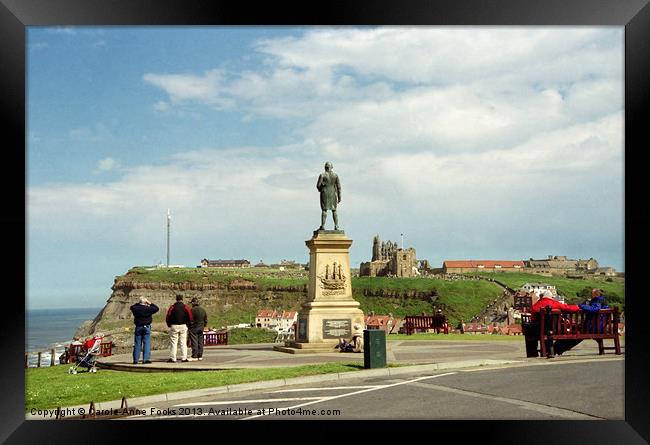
(568, 390)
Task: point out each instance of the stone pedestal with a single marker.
(330, 312)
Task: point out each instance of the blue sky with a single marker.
(476, 143)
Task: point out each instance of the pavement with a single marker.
(398, 352)
(405, 356)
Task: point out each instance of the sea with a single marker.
(52, 328)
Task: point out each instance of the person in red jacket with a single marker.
(179, 318)
(546, 299)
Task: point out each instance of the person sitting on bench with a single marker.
(596, 303)
(547, 299)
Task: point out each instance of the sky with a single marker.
(474, 143)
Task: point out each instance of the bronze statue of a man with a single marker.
(330, 194)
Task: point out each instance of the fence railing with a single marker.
(39, 355)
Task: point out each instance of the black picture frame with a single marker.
(634, 15)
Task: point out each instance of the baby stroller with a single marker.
(88, 360)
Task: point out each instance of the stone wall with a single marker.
(388, 259)
(403, 262)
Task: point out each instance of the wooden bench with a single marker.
(551, 325)
(105, 350)
(413, 323)
(215, 338)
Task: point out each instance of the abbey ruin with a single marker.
(389, 260)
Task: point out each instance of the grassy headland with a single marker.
(276, 289)
(382, 295)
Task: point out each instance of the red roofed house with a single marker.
(475, 328)
(384, 322)
(287, 319)
(276, 320)
(266, 318)
(464, 266)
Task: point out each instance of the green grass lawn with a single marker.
(569, 286)
(459, 299)
(53, 386)
(240, 336)
(400, 284)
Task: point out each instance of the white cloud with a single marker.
(161, 105)
(445, 55)
(106, 164)
(243, 193)
(189, 87)
(421, 88)
(456, 137)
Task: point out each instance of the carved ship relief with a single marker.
(333, 281)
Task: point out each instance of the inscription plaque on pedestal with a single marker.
(302, 328)
(337, 328)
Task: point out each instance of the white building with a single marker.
(537, 288)
(276, 320)
(266, 318)
(287, 319)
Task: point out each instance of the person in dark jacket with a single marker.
(179, 319)
(142, 312)
(199, 321)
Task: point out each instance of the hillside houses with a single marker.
(276, 320)
(537, 288)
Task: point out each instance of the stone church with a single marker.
(389, 260)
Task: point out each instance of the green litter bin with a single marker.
(374, 348)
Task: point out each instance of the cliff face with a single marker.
(233, 303)
(226, 304)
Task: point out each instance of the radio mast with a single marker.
(169, 217)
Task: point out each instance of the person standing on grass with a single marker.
(142, 317)
(179, 318)
(199, 321)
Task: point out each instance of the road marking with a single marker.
(326, 399)
(544, 409)
(329, 388)
(227, 402)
